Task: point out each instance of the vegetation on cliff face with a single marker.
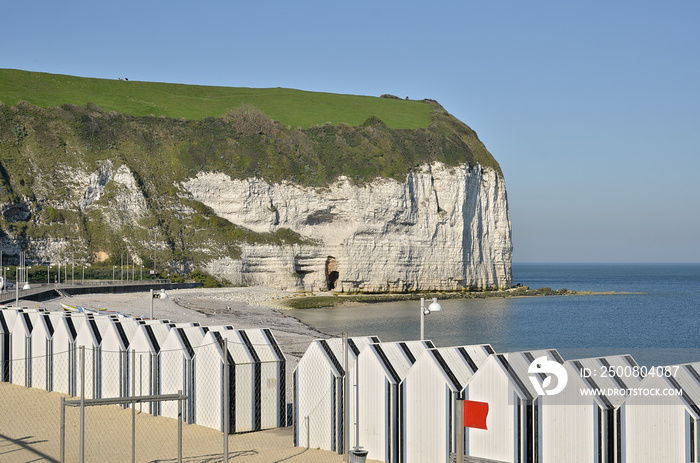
(49, 146)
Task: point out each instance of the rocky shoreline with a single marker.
(320, 300)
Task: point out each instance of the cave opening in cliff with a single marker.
(332, 273)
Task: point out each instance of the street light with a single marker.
(433, 307)
(114, 267)
(48, 274)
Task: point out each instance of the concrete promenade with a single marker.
(44, 291)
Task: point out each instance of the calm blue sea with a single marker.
(658, 325)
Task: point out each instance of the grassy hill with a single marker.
(59, 133)
(294, 108)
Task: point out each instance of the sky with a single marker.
(591, 108)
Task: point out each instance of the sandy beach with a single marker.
(34, 436)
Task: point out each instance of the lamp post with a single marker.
(114, 267)
(433, 307)
(48, 274)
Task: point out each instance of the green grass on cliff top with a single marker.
(295, 108)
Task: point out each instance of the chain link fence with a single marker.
(231, 395)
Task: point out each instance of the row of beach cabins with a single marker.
(128, 356)
(403, 396)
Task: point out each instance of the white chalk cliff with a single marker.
(443, 228)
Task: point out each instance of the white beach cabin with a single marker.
(9, 315)
(115, 359)
(146, 344)
(64, 364)
(381, 368)
(430, 390)
(89, 337)
(211, 389)
(503, 383)
(270, 378)
(256, 387)
(21, 350)
(42, 360)
(318, 392)
(575, 425)
(177, 369)
(5, 336)
(663, 425)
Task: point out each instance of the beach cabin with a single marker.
(42, 359)
(660, 423)
(430, 390)
(9, 315)
(256, 386)
(146, 344)
(381, 368)
(115, 359)
(89, 337)
(318, 392)
(21, 350)
(577, 425)
(177, 369)
(218, 349)
(503, 383)
(65, 367)
(6, 326)
(270, 378)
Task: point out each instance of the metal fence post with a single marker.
(63, 431)
(179, 427)
(459, 425)
(346, 408)
(357, 403)
(133, 405)
(82, 404)
(133, 373)
(226, 399)
(133, 432)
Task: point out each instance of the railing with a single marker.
(37, 289)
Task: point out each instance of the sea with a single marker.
(653, 315)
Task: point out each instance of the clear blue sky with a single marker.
(591, 108)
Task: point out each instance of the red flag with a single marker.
(475, 414)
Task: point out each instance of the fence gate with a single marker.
(82, 403)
